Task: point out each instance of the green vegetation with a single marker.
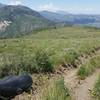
(96, 90)
(15, 64)
(45, 50)
(54, 90)
(74, 32)
(43, 62)
(89, 67)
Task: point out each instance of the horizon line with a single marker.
(67, 12)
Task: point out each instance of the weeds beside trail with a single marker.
(89, 67)
(53, 89)
(96, 90)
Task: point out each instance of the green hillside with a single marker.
(20, 20)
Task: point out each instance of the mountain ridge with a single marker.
(82, 19)
(1, 5)
(20, 20)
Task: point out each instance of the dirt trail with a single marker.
(79, 90)
(82, 92)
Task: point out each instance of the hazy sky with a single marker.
(72, 6)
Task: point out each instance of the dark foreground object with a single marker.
(14, 85)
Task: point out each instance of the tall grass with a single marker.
(54, 90)
(16, 64)
(89, 67)
(96, 90)
(47, 49)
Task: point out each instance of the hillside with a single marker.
(1, 5)
(20, 20)
(57, 17)
(77, 19)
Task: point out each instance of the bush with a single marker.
(82, 72)
(71, 56)
(43, 62)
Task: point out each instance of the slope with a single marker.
(19, 20)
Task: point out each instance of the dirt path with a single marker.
(82, 91)
(79, 90)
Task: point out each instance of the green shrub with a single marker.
(43, 62)
(82, 72)
(71, 55)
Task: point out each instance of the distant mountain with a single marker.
(62, 12)
(20, 20)
(67, 18)
(1, 5)
(53, 16)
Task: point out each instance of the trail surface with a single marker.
(80, 90)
